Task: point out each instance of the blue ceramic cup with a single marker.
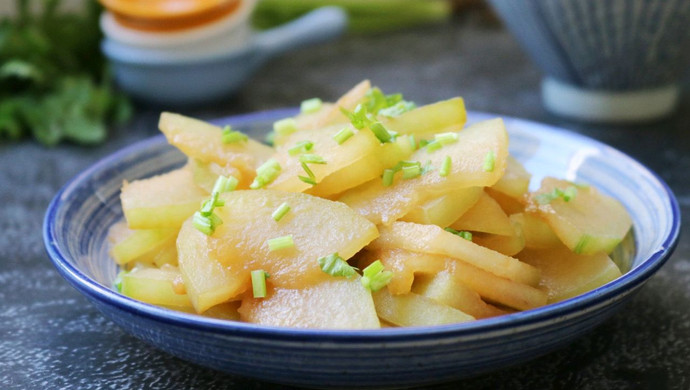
(604, 60)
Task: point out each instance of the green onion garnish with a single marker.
(566, 195)
(225, 184)
(489, 161)
(280, 212)
(335, 265)
(300, 147)
(285, 126)
(445, 167)
(374, 277)
(310, 105)
(358, 117)
(413, 142)
(569, 193)
(308, 171)
(433, 146)
(307, 180)
(410, 172)
(581, 243)
(388, 175)
(117, 283)
(397, 109)
(230, 136)
(206, 223)
(343, 135)
(460, 233)
(278, 243)
(259, 283)
(311, 159)
(380, 132)
(265, 174)
(446, 138)
(208, 205)
(423, 143)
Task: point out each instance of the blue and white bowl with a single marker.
(605, 60)
(78, 218)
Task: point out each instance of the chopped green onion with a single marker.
(310, 105)
(117, 283)
(489, 161)
(335, 265)
(388, 175)
(566, 195)
(285, 126)
(433, 146)
(265, 174)
(569, 193)
(259, 283)
(208, 205)
(374, 277)
(280, 212)
(427, 167)
(423, 143)
(376, 100)
(206, 223)
(231, 136)
(410, 172)
(311, 159)
(278, 243)
(445, 167)
(343, 135)
(358, 117)
(460, 233)
(380, 132)
(308, 171)
(300, 147)
(307, 180)
(581, 243)
(404, 163)
(446, 138)
(225, 184)
(413, 142)
(397, 109)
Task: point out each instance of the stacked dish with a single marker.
(189, 52)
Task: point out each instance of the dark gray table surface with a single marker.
(51, 337)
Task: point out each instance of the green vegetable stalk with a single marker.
(366, 16)
(54, 83)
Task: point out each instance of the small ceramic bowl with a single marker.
(77, 221)
(192, 73)
(605, 61)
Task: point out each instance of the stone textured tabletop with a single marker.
(51, 337)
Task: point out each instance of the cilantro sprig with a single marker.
(54, 83)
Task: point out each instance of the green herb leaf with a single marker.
(335, 265)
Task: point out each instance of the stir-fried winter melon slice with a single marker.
(485, 216)
(425, 121)
(446, 289)
(434, 240)
(478, 144)
(157, 286)
(585, 220)
(566, 274)
(415, 310)
(161, 202)
(445, 209)
(203, 141)
(337, 303)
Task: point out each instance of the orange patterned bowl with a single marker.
(169, 15)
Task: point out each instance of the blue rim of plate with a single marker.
(628, 282)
